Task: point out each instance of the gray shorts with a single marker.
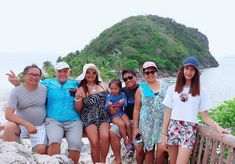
(71, 130)
(115, 129)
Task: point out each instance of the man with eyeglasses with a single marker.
(131, 85)
(26, 112)
(62, 119)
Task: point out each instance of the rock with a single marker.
(12, 152)
(55, 159)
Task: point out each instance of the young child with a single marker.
(117, 99)
(184, 102)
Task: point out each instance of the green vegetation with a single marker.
(131, 42)
(225, 115)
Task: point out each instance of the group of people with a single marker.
(148, 116)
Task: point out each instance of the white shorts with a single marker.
(36, 139)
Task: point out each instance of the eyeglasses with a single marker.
(91, 73)
(128, 77)
(149, 72)
(33, 75)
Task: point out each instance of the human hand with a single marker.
(163, 143)
(13, 78)
(31, 128)
(80, 93)
(113, 110)
(122, 101)
(109, 103)
(221, 130)
(136, 131)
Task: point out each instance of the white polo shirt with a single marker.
(188, 110)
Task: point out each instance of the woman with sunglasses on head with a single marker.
(90, 99)
(148, 114)
(184, 101)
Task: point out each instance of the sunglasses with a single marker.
(128, 77)
(31, 75)
(149, 72)
(91, 73)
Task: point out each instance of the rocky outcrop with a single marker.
(12, 152)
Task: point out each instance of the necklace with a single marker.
(92, 89)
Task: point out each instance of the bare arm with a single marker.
(136, 112)
(79, 99)
(9, 115)
(210, 122)
(166, 120)
(13, 78)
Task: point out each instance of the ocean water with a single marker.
(219, 82)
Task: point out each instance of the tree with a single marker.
(48, 69)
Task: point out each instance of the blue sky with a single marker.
(57, 27)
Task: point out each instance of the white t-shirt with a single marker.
(188, 109)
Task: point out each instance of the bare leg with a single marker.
(160, 155)
(120, 123)
(183, 155)
(92, 134)
(116, 147)
(149, 156)
(139, 153)
(173, 153)
(53, 149)
(74, 155)
(128, 127)
(104, 140)
(11, 132)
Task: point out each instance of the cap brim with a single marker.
(150, 67)
(191, 64)
(62, 68)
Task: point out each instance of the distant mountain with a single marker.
(131, 42)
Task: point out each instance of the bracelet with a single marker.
(77, 100)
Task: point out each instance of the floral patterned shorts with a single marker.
(181, 133)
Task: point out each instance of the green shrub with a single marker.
(224, 115)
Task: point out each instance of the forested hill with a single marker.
(136, 39)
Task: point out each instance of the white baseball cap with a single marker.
(148, 64)
(61, 65)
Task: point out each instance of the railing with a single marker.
(211, 148)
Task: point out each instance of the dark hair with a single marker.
(128, 71)
(117, 82)
(27, 68)
(83, 84)
(195, 82)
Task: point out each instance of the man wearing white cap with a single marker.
(62, 119)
